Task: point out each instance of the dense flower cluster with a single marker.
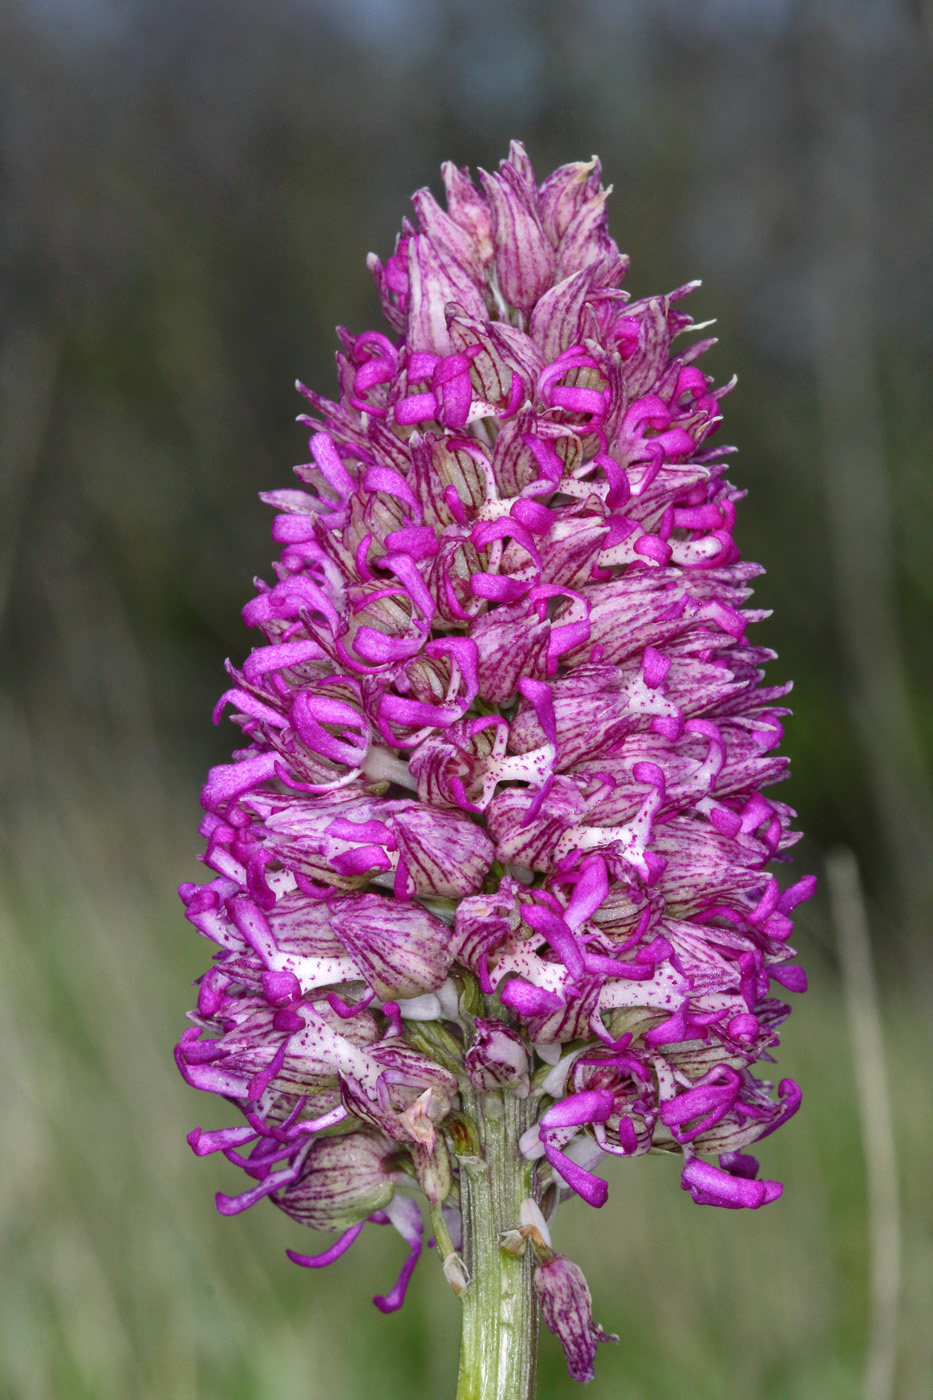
(499, 820)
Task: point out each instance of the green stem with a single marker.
(499, 1347)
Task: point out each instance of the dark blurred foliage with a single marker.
(189, 191)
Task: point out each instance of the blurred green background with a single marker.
(189, 189)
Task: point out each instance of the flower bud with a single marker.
(433, 1168)
(567, 1309)
(342, 1181)
(401, 949)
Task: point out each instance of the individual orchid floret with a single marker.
(490, 899)
(567, 1309)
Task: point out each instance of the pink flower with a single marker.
(504, 736)
(567, 1309)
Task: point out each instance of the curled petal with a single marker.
(405, 1216)
(592, 1188)
(321, 1261)
(711, 1186)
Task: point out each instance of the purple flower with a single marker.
(498, 823)
(567, 1309)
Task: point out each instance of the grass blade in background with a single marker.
(863, 1011)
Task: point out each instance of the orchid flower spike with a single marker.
(493, 855)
